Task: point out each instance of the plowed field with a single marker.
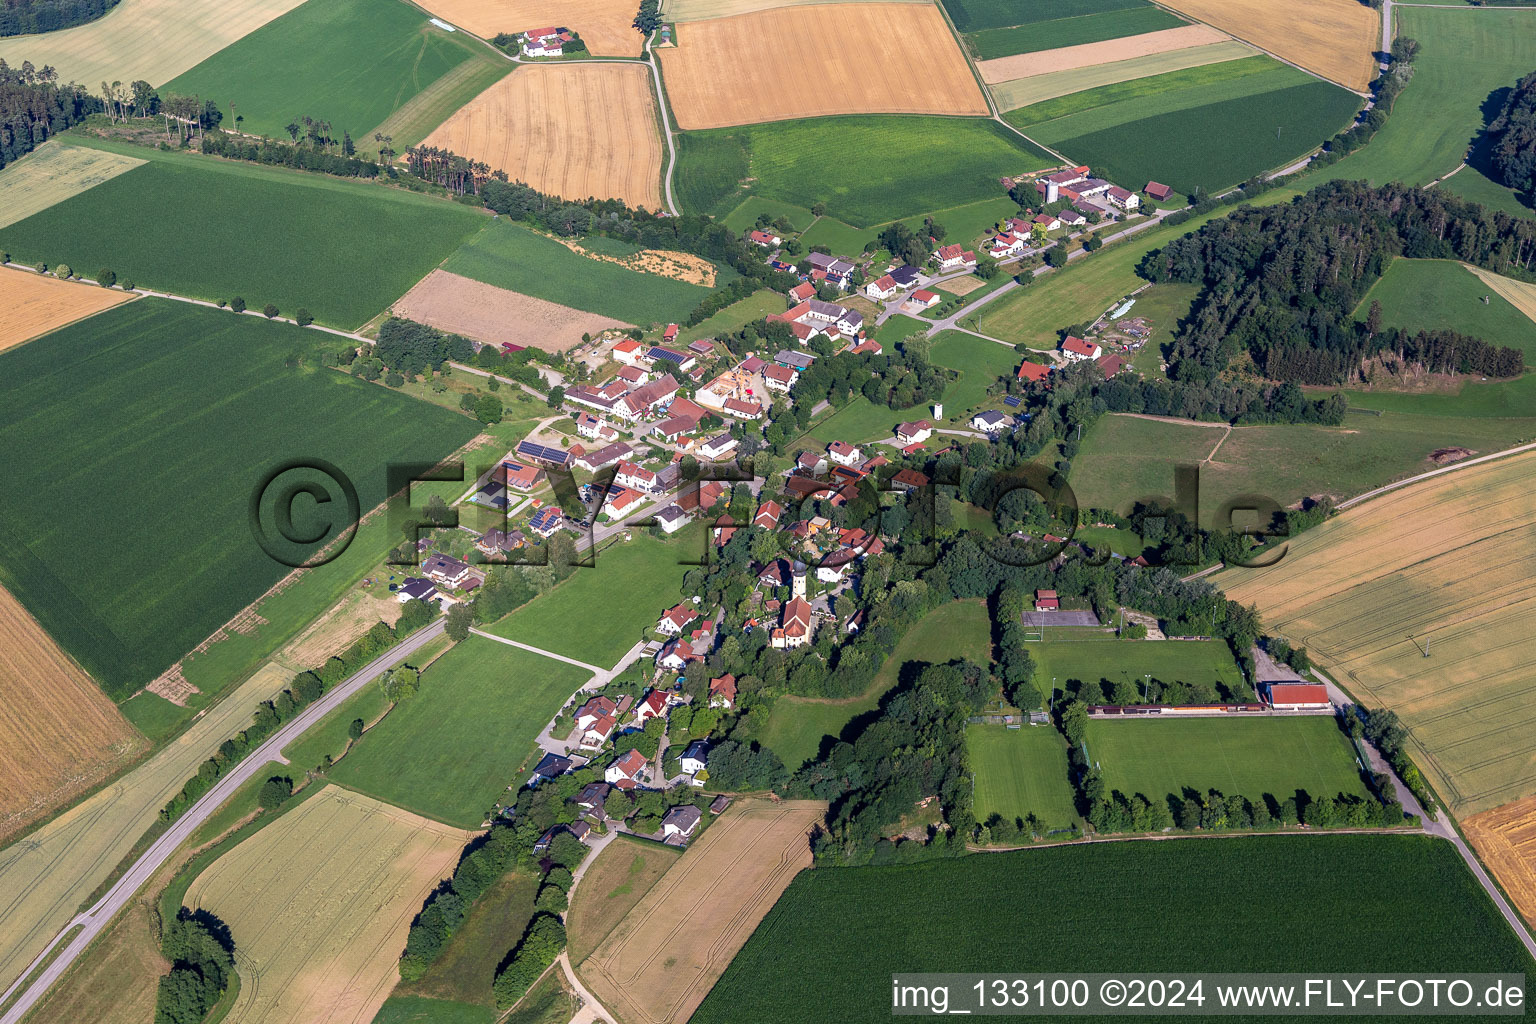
(1335, 39)
(31, 304)
(487, 313)
(815, 61)
(604, 25)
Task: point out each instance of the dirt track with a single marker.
(484, 312)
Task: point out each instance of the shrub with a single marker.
(274, 793)
(106, 278)
(127, 284)
(269, 311)
(237, 304)
(63, 271)
(303, 318)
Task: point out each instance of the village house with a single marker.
(990, 422)
(718, 447)
(621, 502)
(594, 709)
(595, 427)
(678, 654)
(546, 522)
(1075, 348)
(652, 705)
(671, 519)
(909, 480)
(550, 766)
(632, 475)
(546, 42)
(834, 270)
(780, 378)
(844, 454)
(683, 361)
(626, 770)
(606, 456)
(447, 572)
(1071, 218)
(676, 618)
(915, 432)
(696, 758)
(1046, 221)
(495, 542)
(1033, 371)
(593, 800)
(417, 589)
(796, 361)
(766, 239)
(811, 462)
(1123, 198)
(632, 376)
(520, 477)
(680, 822)
(631, 353)
(800, 292)
(597, 732)
(954, 257)
(881, 288)
(1111, 364)
(768, 515)
(722, 692)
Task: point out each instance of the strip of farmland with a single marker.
(1025, 91)
(1068, 58)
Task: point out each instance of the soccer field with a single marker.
(1247, 757)
(1021, 772)
(1110, 661)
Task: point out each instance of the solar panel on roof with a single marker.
(1013, 401)
(542, 452)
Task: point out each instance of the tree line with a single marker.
(34, 107)
(1511, 138)
(28, 17)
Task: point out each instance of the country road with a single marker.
(94, 920)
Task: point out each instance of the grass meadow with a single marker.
(420, 1010)
(1169, 83)
(975, 15)
(1109, 661)
(735, 316)
(797, 726)
(354, 63)
(1020, 772)
(170, 414)
(213, 229)
(979, 362)
(888, 167)
(1250, 757)
(858, 421)
(1073, 31)
(510, 256)
(1186, 905)
(449, 752)
(1439, 295)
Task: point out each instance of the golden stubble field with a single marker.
(698, 10)
(816, 61)
(52, 173)
(59, 734)
(490, 314)
(604, 25)
(31, 304)
(1505, 839)
(1067, 58)
(574, 130)
(155, 40)
(319, 903)
(1444, 563)
(1336, 39)
(661, 960)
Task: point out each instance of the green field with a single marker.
(858, 421)
(354, 63)
(1124, 459)
(974, 15)
(1464, 57)
(744, 217)
(171, 414)
(1249, 757)
(1085, 28)
(343, 250)
(1443, 295)
(1020, 772)
(566, 620)
(450, 752)
(796, 725)
(979, 363)
(735, 316)
(416, 1010)
(511, 256)
(888, 167)
(1183, 905)
(1267, 115)
(1109, 661)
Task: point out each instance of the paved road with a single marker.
(94, 920)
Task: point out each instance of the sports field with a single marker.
(1444, 562)
(343, 250)
(1440, 295)
(1084, 28)
(830, 59)
(979, 362)
(495, 315)
(450, 751)
(1187, 905)
(61, 734)
(1336, 39)
(888, 167)
(660, 961)
(574, 130)
(1251, 757)
(1110, 661)
(362, 61)
(513, 257)
(319, 903)
(797, 726)
(1080, 55)
(613, 883)
(155, 40)
(134, 407)
(1073, 82)
(52, 173)
(604, 25)
(1505, 840)
(32, 305)
(1020, 772)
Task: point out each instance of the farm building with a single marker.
(954, 257)
(766, 239)
(1075, 348)
(1157, 190)
(1297, 696)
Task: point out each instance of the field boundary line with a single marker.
(1385, 488)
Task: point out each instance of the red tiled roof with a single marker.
(1033, 371)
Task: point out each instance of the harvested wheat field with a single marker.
(1520, 294)
(59, 734)
(699, 10)
(155, 40)
(661, 960)
(606, 26)
(31, 304)
(1505, 839)
(1334, 39)
(1066, 58)
(847, 58)
(319, 903)
(486, 313)
(1021, 92)
(1442, 565)
(574, 130)
(53, 173)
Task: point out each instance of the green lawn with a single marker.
(328, 737)
(1164, 305)
(171, 414)
(416, 1010)
(1183, 905)
(1020, 772)
(744, 217)
(1496, 399)
(1250, 757)
(450, 752)
(343, 250)
(979, 362)
(354, 63)
(796, 726)
(1474, 185)
(1441, 295)
(858, 421)
(888, 167)
(974, 15)
(1084, 28)
(511, 256)
(736, 316)
(897, 328)
(1109, 661)
(842, 239)
(565, 620)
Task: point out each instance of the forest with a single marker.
(1512, 136)
(1281, 283)
(34, 108)
(25, 17)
